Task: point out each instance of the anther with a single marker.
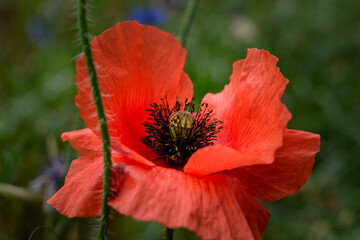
(178, 132)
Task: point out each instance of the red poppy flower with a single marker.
(214, 191)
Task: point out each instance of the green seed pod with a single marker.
(182, 125)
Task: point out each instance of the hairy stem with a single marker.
(188, 20)
(101, 115)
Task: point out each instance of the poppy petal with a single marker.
(136, 66)
(214, 207)
(81, 196)
(87, 143)
(254, 118)
(218, 158)
(288, 173)
(84, 141)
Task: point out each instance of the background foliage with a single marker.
(318, 46)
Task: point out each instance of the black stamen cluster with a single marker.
(176, 151)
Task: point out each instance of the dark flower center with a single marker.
(176, 133)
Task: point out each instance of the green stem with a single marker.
(189, 19)
(169, 234)
(101, 115)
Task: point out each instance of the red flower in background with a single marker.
(214, 192)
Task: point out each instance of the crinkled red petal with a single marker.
(136, 65)
(87, 143)
(288, 173)
(84, 141)
(219, 158)
(81, 195)
(254, 118)
(214, 207)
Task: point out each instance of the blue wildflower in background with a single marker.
(40, 31)
(50, 180)
(148, 15)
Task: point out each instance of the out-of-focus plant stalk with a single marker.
(169, 234)
(18, 192)
(101, 115)
(188, 20)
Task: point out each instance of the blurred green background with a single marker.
(318, 46)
